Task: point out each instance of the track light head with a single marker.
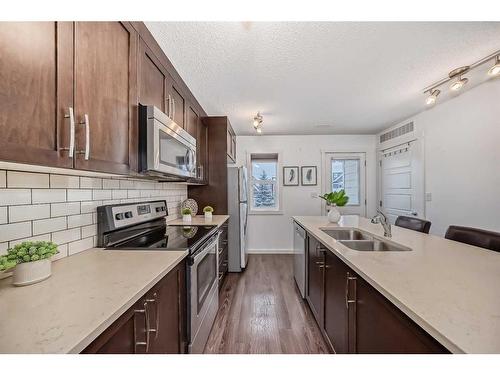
(495, 69)
(432, 98)
(257, 122)
(459, 83)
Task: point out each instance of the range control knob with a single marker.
(128, 214)
(119, 216)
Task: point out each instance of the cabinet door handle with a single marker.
(71, 147)
(157, 320)
(173, 108)
(87, 137)
(347, 300)
(146, 318)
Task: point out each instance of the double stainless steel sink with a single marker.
(361, 241)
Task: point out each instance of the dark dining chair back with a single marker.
(413, 223)
(473, 236)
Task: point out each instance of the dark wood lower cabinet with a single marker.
(156, 324)
(354, 317)
(382, 328)
(316, 281)
(223, 254)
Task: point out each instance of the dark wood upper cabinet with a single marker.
(106, 96)
(36, 92)
(315, 284)
(337, 305)
(152, 78)
(177, 110)
(192, 122)
(202, 151)
(231, 144)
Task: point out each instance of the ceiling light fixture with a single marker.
(432, 98)
(495, 69)
(257, 122)
(456, 75)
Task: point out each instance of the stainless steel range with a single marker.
(142, 226)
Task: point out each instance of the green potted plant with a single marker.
(30, 260)
(333, 200)
(208, 210)
(186, 215)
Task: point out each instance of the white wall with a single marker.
(273, 233)
(462, 159)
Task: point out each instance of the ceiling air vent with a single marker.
(394, 133)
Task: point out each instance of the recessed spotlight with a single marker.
(432, 98)
(495, 69)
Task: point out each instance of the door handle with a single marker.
(347, 300)
(414, 213)
(86, 123)
(71, 147)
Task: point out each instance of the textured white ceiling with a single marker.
(319, 77)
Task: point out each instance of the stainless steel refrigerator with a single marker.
(237, 196)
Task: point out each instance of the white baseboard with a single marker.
(270, 251)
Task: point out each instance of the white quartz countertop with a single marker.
(450, 289)
(85, 294)
(198, 220)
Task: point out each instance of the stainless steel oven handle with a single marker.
(210, 244)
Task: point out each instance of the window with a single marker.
(345, 175)
(264, 181)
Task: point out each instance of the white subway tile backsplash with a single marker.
(79, 220)
(101, 194)
(89, 230)
(90, 206)
(42, 237)
(27, 180)
(126, 184)
(90, 183)
(29, 212)
(3, 215)
(60, 181)
(119, 194)
(52, 206)
(64, 209)
(14, 231)
(65, 236)
(79, 195)
(3, 179)
(9, 197)
(110, 184)
(78, 246)
(49, 225)
(49, 195)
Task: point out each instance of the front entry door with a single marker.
(401, 182)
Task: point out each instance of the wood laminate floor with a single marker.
(261, 312)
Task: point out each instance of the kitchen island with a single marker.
(447, 288)
(85, 295)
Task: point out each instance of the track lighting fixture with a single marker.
(432, 98)
(257, 122)
(495, 69)
(457, 76)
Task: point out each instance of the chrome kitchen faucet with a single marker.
(380, 218)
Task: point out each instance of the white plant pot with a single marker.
(31, 272)
(186, 218)
(208, 216)
(333, 214)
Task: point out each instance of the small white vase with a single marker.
(186, 218)
(31, 272)
(208, 216)
(333, 214)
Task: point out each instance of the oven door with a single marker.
(170, 149)
(203, 294)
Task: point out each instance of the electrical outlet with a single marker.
(314, 195)
(428, 197)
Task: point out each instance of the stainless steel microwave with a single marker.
(165, 149)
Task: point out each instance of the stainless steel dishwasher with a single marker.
(299, 257)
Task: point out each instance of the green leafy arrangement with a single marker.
(336, 198)
(27, 251)
(208, 209)
(186, 211)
